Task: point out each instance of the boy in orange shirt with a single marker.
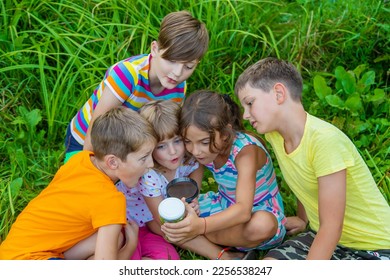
(81, 214)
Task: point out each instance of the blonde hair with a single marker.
(163, 115)
(120, 131)
(182, 37)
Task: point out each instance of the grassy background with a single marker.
(54, 53)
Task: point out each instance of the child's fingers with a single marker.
(194, 205)
(131, 228)
(132, 224)
(196, 208)
(179, 226)
(174, 235)
(190, 209)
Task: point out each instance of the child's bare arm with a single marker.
(131, 235)
(238, 213)
(106, 102)
(155, 225)
(83, 250)
(296, 224)
(107, 242)
(331, 209)
(250, 159)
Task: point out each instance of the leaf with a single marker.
(321, 88)
(29, 118)
(364, 140)
(347, 79)
(339, 86)
(15, 186)
(18, 120)
(363, 126)
(335, 101)
(340, 72)
(349, 83)
(354, 103)
(385, 122)
(379, 95)
(34, 117)
(13, 191)
(339, 122)
(360, 69)
(18, 42)
(367, 80)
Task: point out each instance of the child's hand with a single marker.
(131, 232)
(294, 224)
(195, 205)
(187, 229)
(131, 242)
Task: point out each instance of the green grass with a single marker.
(54, 53)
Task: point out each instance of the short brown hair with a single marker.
(265, 73)
(182, 37)
(120, 131)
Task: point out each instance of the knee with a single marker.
(262, 226)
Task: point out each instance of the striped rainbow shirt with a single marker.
(129, 81)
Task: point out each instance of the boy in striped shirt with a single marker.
(134, 81)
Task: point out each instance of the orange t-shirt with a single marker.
(78, 201)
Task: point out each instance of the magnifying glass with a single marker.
(183, 187)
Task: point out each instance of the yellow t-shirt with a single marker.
(78, 201)
(324, 150)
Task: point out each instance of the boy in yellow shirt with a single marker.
(80, 214)
(348, 216)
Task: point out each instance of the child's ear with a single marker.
(154, 48)
(280, 92)
(112, 161)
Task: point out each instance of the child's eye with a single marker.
(161, 146)
(178, 140)
(249, 103)
(189, 67)
(144, 158)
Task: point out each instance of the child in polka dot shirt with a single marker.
(170, 162)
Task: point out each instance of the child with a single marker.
(247, 210)
(81, 214)
(182, 42)
(347, 215)
(169, 163)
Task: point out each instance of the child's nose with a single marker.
(195, 150)
(150, 162)
(178, 69)
(245, 115)
(172, 150)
